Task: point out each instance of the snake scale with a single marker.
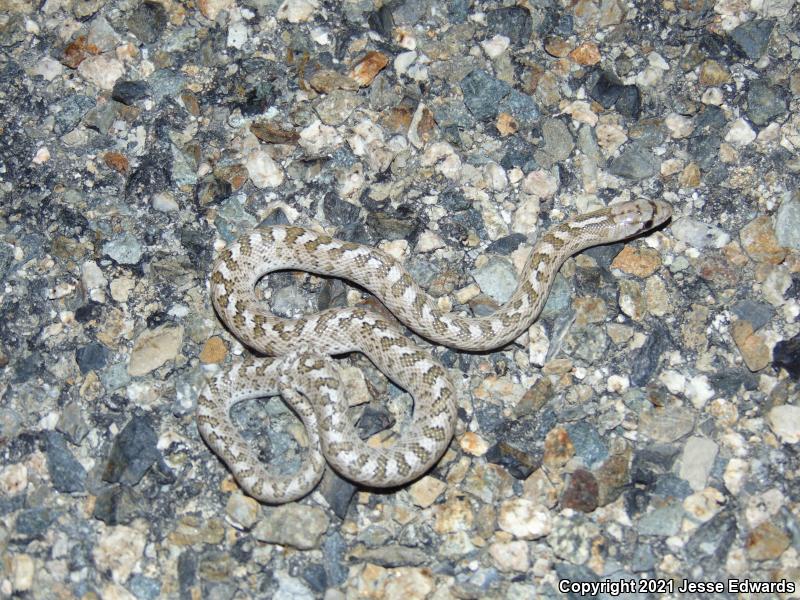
(299, 368)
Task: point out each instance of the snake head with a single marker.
(637, 216)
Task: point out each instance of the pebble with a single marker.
(133, 453)
(368, 68)
(510, 556)
(665, 520)
(581, 492)
(101, 71)
(214, 351)
(263, 171)
(297, 11)
(125, 250)
(483, 93)
(635, 163)
(295, 525)
(118, 550)
(155, 347)
(784, 420)
(752, 346)
(66, 474)
(242, 511)
(787, 222)
(766, 542)
(497, 279)
(641, 262)
(665, 425)
(786, 355)
(699, 234)
(752, 37)
(495, 46)
(760, 242)
(697, 460)
(165, 202)
(524, 519)
(740, 133)
(764, 103)
(426, 491)
(22, 572)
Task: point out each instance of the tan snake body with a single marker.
(308, 380)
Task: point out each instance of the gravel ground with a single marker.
(647, 433)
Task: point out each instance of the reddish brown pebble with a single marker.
(369, 67)
(116, 161)
(586, 54)
(78, 50)
(213, 352)
(582, 492)
(641, 262)
(274, 134)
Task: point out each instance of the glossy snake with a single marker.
(299, 368)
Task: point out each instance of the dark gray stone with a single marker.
(514, 22)
(483, 94)
(72, 110)
(650, 462)
(148, 21)
(712, 540)
(338, 211)
(66, 473)
(375, 418)
(518, 153)
(381, 21)
(334, 549)
(757, 313)
(643, 558)
(645, 361)
(671, 486)
(765, 103)
(635, 162)
(506, 245)
(786, 355)
(134, 452)
(33, 523)
(129, 92)
(338, 492)
(578, 573)
(520, 106)
(518, 463)
(91, 357)
(398, 226)
(752, 38)
(607, 89)
(629, 102)
(71, 423)
(316, 577)
(117, 505)
(588, 443)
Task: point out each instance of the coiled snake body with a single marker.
(299, 369)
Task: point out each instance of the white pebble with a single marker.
(403, 61)
(165, 202)
(297, 11)
(699, 391)
(618, 384)
(264, 172)
(740, 133)
(784, 420)
(495, 46)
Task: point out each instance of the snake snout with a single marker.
(661, 211)
(638, 216)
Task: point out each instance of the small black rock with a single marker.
(129, 92)
(786, 354)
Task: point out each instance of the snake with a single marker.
(294, 356)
